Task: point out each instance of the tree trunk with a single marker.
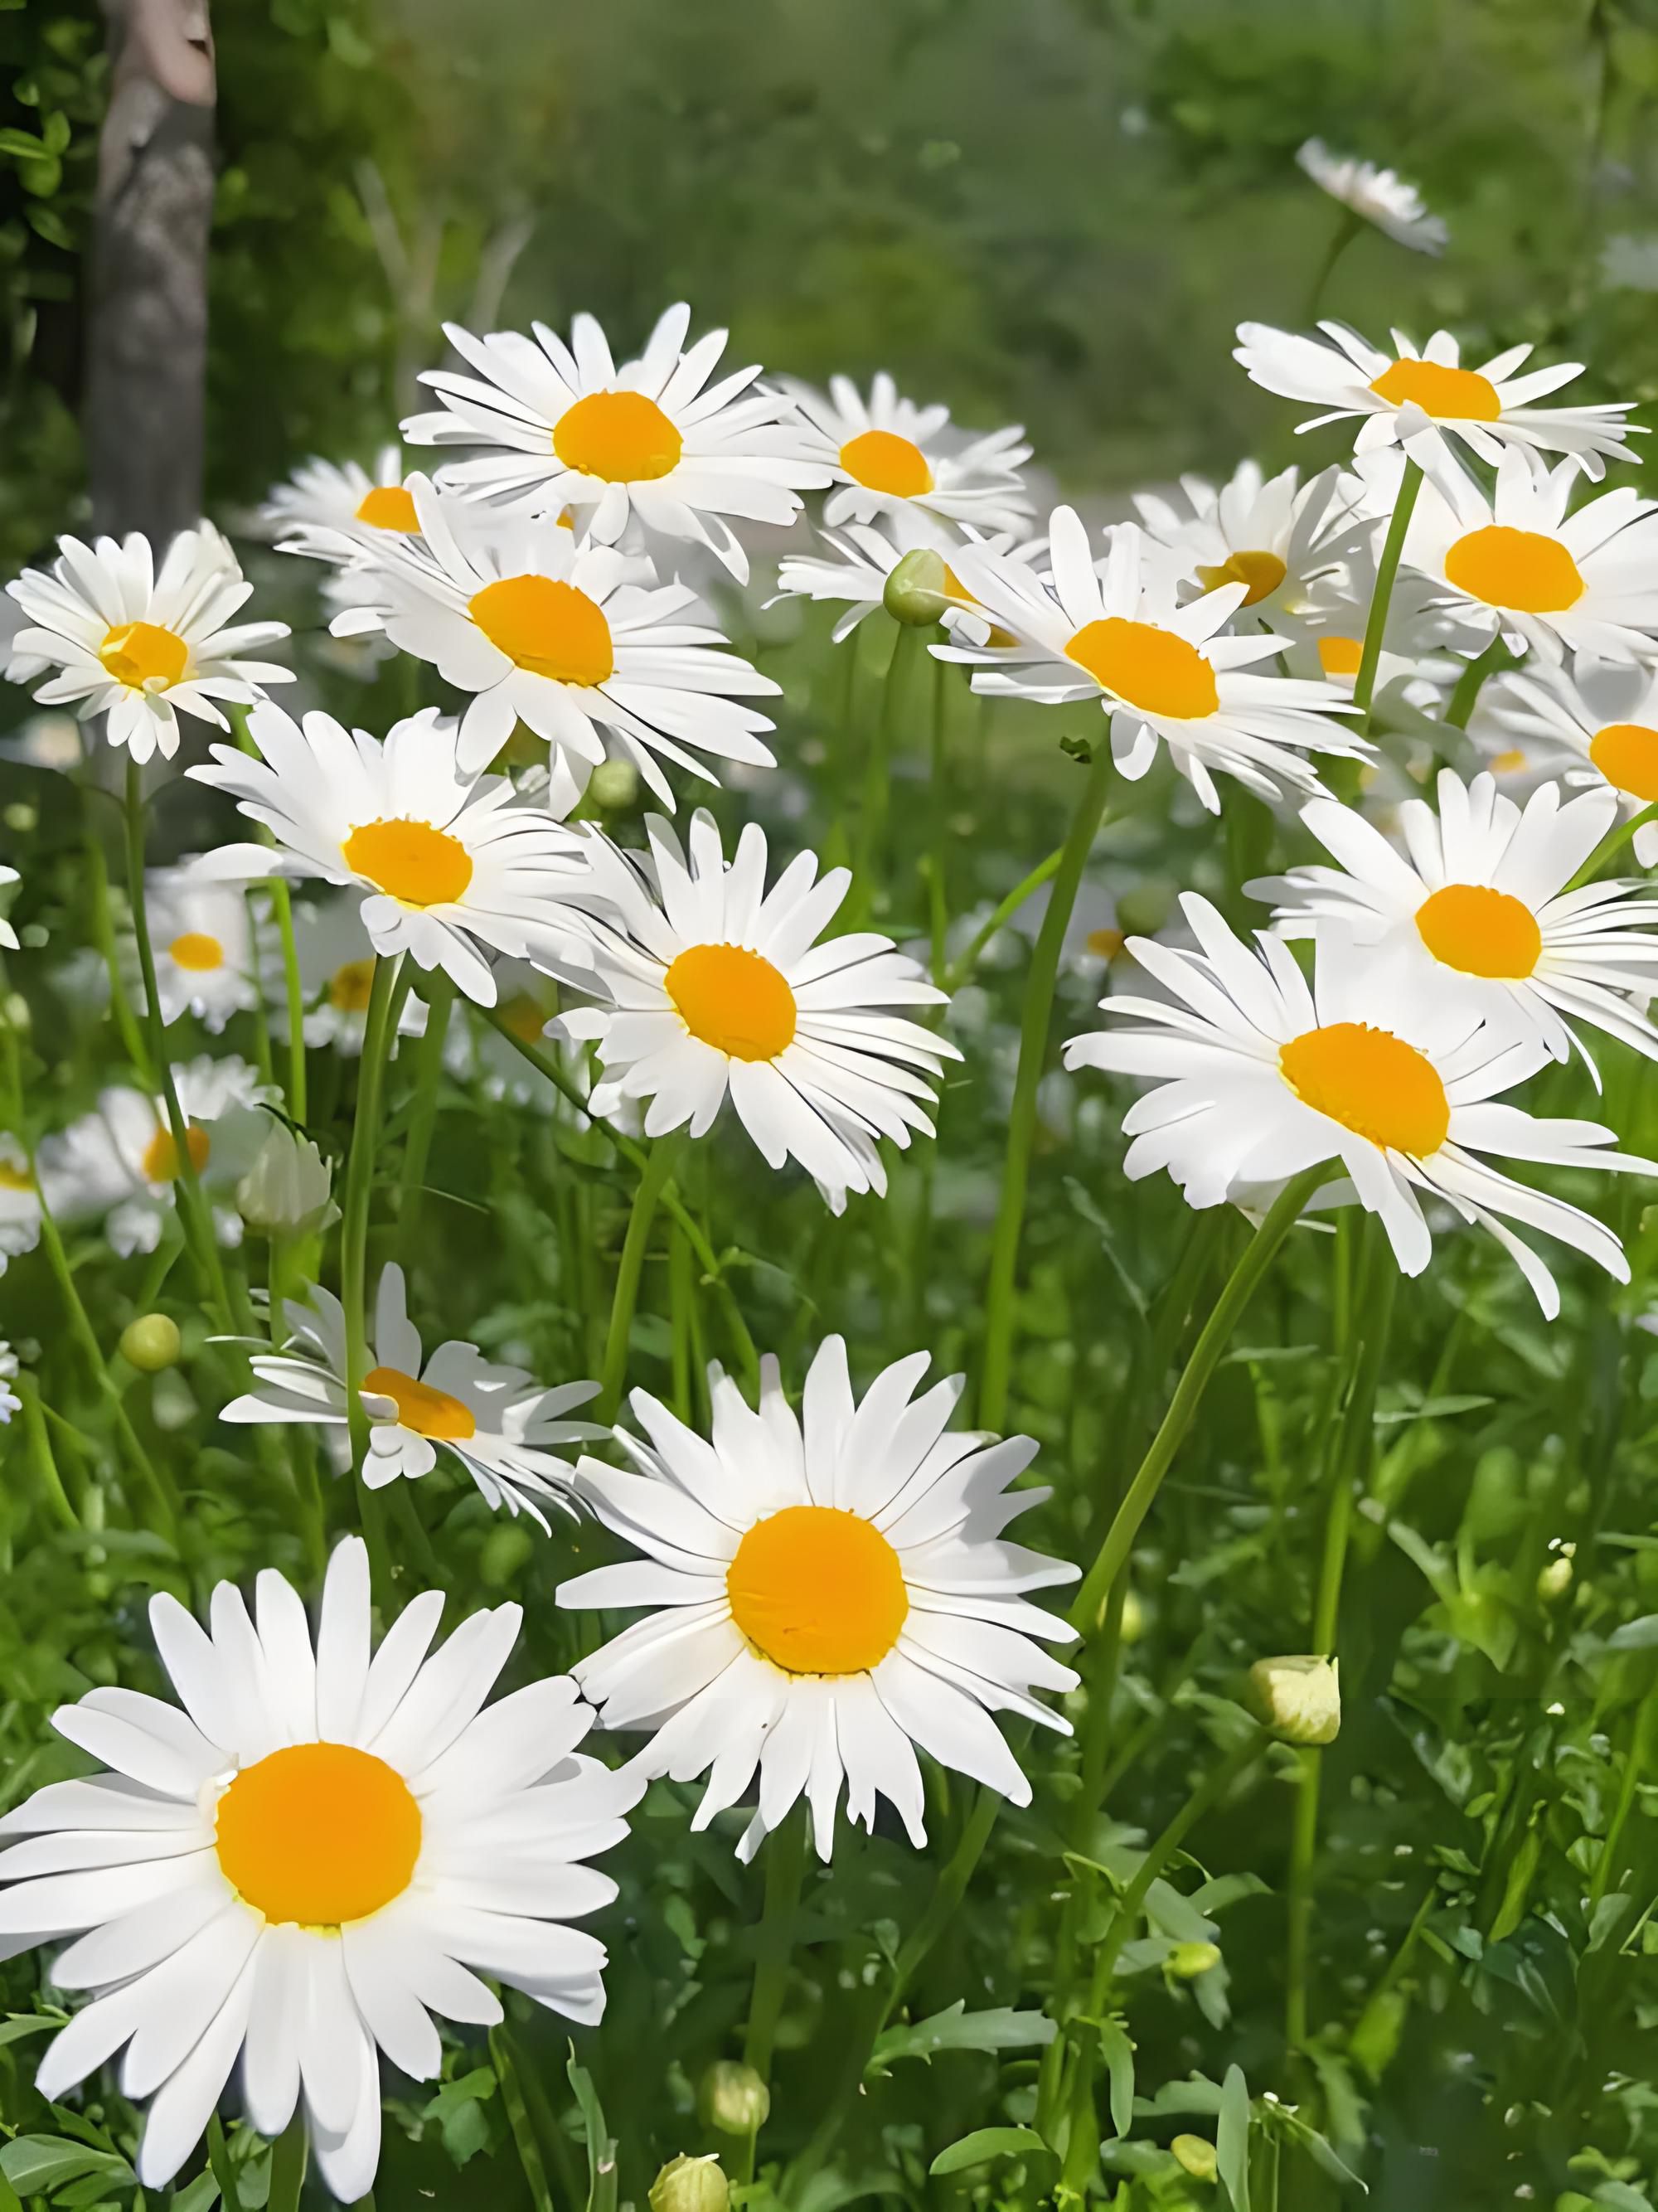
(147, 323)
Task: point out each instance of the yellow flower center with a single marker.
(620, 437)
(1260, 573)
(1439, 391)
(734, 1000)
(144, 656)
(1105, 944)
(551, 629)
(350, 987)
(1146, 666)
(196, 950)
(389, 507)
(428, 1412)
(161, 1160)
(1373, 1083)
(1626, 754)
(881, 460)
(318, 1834)
(1479, 931)
(817, 1591)
(1509, 761)
(525, 1017)
(1340, 656)
(409, 862)
(1518, 568)
(13, 1178)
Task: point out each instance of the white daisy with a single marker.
(1479, 907)
(1159, 670)
(1600, 723)
(9, 1402)
(866, 555)
(119, 1162)
(139, 645)
(833, 1591)
(1425, 644)
(310, 1853)
(889, 456)
(451, 865)
(1275, 535)
(1259, 1077)
(1381, 196)
(20, 1203)
(504, 1427)
(571, 639)
(336, 511)
(1516, 562)
(652, 440)
(202, 939)
(717, 986)
(7, 934)
(1401, 395)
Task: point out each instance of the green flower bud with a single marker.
(917, 591)
(613, 785)
(151, 1343)
(1142, 911)
(1187, 1960)
(15, 1014)
(286, 1191)
(690, 2185)
(1300, 1696)
(1133, 1618)
(734, 2098)
(1197, 2154)
(22, 817)
(505, 1552)
(1555, 1579)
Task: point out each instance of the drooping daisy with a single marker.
(120, 1163)
(310, 1853)
(1275, 535)
(834, 1591)
(7, 934)
(336, 511)
(10, 1402)
(336, 973)
(1517, 563)
(140, 646)
(1159, 670)
(889, 456)
(504, 1427)
(569, 639)
(1477, 908)
(1488, 408)
(716, 985)
(563, 427)
(1600, 721)
(451, 865)
(1259, 1077)
(20, 1203)
(1381, 196)
(202, 939)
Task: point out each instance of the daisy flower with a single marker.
(866, 553)
(1158, 670)
(139, 645)
(7, 934)
(1381, 196)
(1424, 644)
(119, 1162)
(652, 440)
(9, 1402)
(337, 974)
(1488, 408)
(716, 985)
(452, 866)
(1275, 535)
(1479, 907)
(568, 639)
(338, 511)
(503, 1425)
(304, 1858)
(832, 1589)
(1514, 562)
(202, 938)
(1259, 1076)
(20, 1203)
(1602, 721)
(889, 456)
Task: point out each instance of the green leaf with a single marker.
(1232, 2138)
(985, 2143)
(1430, 1409)
(22, 145)
(36, 2164)
(601, 2144)
(1119, 2054)
(17, 2024)
(957, 2029)
(1640, 1635)
(198, 2196)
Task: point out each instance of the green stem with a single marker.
(1216, 1335)
(1471, 681)
(1387, 570)
(40, 1443)
(877, 779)
(218, 2157)
(282, 903)
(354, 1248)
(288, 2167)
(1347, 228)
(1616, 838)
(440, 994)
(518, 2116)
(938, 870)
(658, 1166)
(786, 1865)
(1000, 1299)
(1044, 871)
(103, 934)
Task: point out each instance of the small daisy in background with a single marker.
(10, 1403)
(507, 1429)
(716, 987)
(139, 645)
(336, 973)
(20, 1203)
(1118, 635)
(453, 866)
(1259, 1076)
(203, 937)
(1377, 196)
(1600, 724)
(889, 456)
(1274, 535)
(7, 934)
(317, 1847)
(1425, 645)
(831, 1590)
(337, 510)
(652, 441)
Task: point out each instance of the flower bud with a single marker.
(1187, 1960)
(1555, 1579)
(22, 817)
(613, 785)
(1197, 2154)
(15, 1014)
(151, 1343)
(734, 2098)
(690, 2185)
(1133, 1618)
(918, 589)
(1300, 1696)
(286, 1191)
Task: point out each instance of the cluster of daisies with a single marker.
(321, 1844)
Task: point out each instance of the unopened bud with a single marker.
(286, 1191)
(1133, 1619)
(1187, 1960)
(1555, 1579)
(1143, 910)
(734, 2098)
(22, 817)
(1300, 1696)
(1197, 2154)
(690, 2185)
(14, 1012)
(151, 1343)
(918, 589)
(613, 785)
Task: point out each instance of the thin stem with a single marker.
(218, 2157)
(422, 1120)
(658, 1166)
(1043, 872)
(937, 869)
(354, 1247)
(103, 932)
(1347, 228)
(288, 2167)
(524, 2140)
(1616, 838)
(1387, 570)
(878, 777)
(40, 1443)
(1471, 681)
(282, 905)
(1001, 1301)
(786, 1865)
